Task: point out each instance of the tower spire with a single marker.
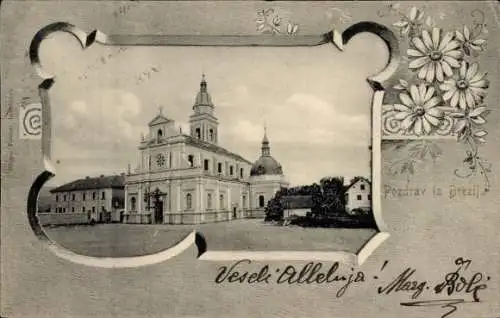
(266, 150)
(203, 83)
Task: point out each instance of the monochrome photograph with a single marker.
(255, 148)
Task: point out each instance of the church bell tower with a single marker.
(203, 123)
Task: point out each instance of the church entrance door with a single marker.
(234, 212)
(159, 212)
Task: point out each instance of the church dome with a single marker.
(266, 164)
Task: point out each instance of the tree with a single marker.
(333, 194)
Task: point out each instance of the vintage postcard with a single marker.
(250, 159)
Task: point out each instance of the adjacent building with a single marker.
(358, 196)
(298, 205)
(190, 178)
(99, 199)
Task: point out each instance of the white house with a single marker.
(358, 196)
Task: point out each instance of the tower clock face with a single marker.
(160, 160)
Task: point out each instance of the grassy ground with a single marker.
(119, 240)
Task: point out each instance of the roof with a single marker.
(356, 180)
(214, 148)
(102, 182)
(159, 119)
(297, 201)
(266, 165)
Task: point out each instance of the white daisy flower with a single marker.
(467, 88)
(434, 55)
(419, 112)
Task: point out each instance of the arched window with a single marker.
(209, 201)
(221, 201)
(191, 160)
(211, 134)
(198, 133)
(160, 133)
(93, 195)
(189, 201)
(244, 203)
(261, 201)
(132, 204)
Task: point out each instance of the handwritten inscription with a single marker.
(311, 273)
(451, 192)
(459, 286)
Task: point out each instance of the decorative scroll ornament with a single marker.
(270, 22)
(30, 121)
(445, 95)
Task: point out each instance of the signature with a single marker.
(461, 281)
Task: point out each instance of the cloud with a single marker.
(305, 118)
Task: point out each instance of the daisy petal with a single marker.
(417, 128)
(432, 102)
(436, 32)
(466, 33)
(418, 62)
(406, 99)
(434, 121)
(480, 84)
(430, 73)
(419, 45)
(446, 39)
(408, 122)
(427, 39)
(451, 61)
(426, 125)
(428, 94)
(402, 108)
(435, 112)
(462, 102)
(449, 94)
(446, 68)
(439, 72)
(471, 71)
(415, 95)
(415, 53)
(469, 98)
(423, 71)
(477, 77)
(454, 99)
(413, 13)
(456, 54)
(401, 115)
(452, 45)
(422, 90)
(463, 69)
(460, 36)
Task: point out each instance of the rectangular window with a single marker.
(64, 197)
(57, 198)
(93, 195)
(93, 209)
(241, 172)
(72, 209)
(205, 164)
(362, 187)
(73, 197)
(219, 167)
(83, 196)
(231, 170)
(64, 210)
(359, 197)
(370, 197)
(103, 195)
(83, 209)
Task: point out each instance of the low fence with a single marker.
(62, 218)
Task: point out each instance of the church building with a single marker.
(191, 179)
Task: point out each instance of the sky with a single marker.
(314, 101)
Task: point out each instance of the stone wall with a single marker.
(62, 218)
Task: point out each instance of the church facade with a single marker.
(191, 179)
